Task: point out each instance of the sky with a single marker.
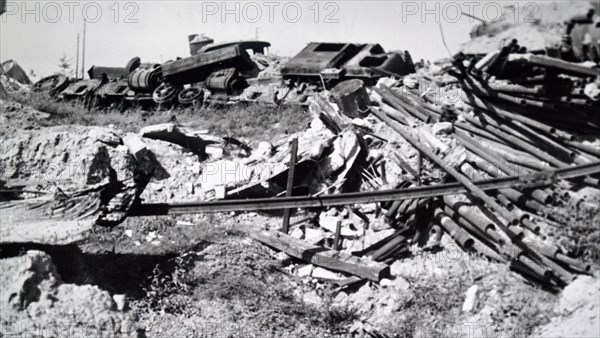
(37, 34)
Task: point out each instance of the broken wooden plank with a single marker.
(320, 256)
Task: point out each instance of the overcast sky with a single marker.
(37, 35)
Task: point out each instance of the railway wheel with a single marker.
(165, 93)
(191, 95)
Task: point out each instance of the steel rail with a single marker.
(255, 204)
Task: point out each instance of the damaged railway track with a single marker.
(257, 204)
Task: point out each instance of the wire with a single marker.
(444, 39)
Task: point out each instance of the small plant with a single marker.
(582, 235)
(64, 65)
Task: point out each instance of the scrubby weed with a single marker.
(577, 228)
(435, 300)
(168, 290)
(254, 121)
(518, 308)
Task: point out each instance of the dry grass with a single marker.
(253, 121)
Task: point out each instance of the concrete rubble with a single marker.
(34, 299)
(475, 151)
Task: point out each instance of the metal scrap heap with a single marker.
(479, 149)
(482, 118)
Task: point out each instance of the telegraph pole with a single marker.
(83, 52)
(77, 59)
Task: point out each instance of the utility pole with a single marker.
(77, 59)
(83, 52)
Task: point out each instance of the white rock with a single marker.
(592, 91)
(401, 284)
(313, 236)
(368, 208)
(120, 302)
(331, 212)
(330, 223)
(362, 123)
(341, 300)
(311, 298)
(150, 236)
(290, 269)
(281, 256)
(297, 233)
(215, 152)
(220, 192)
(386, 282)
(470, 298)
(304, 271)
(264, 149)
(322, 273)
(184, 223)
(129, 233)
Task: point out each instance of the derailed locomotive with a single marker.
(228, 73)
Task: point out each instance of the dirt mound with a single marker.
(578, 311)
(535, 25)
(34, 302)
(16, 116)
(74, 157)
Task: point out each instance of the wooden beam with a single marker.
(320, 256)
(290, 182)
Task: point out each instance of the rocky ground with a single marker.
(199, 275)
